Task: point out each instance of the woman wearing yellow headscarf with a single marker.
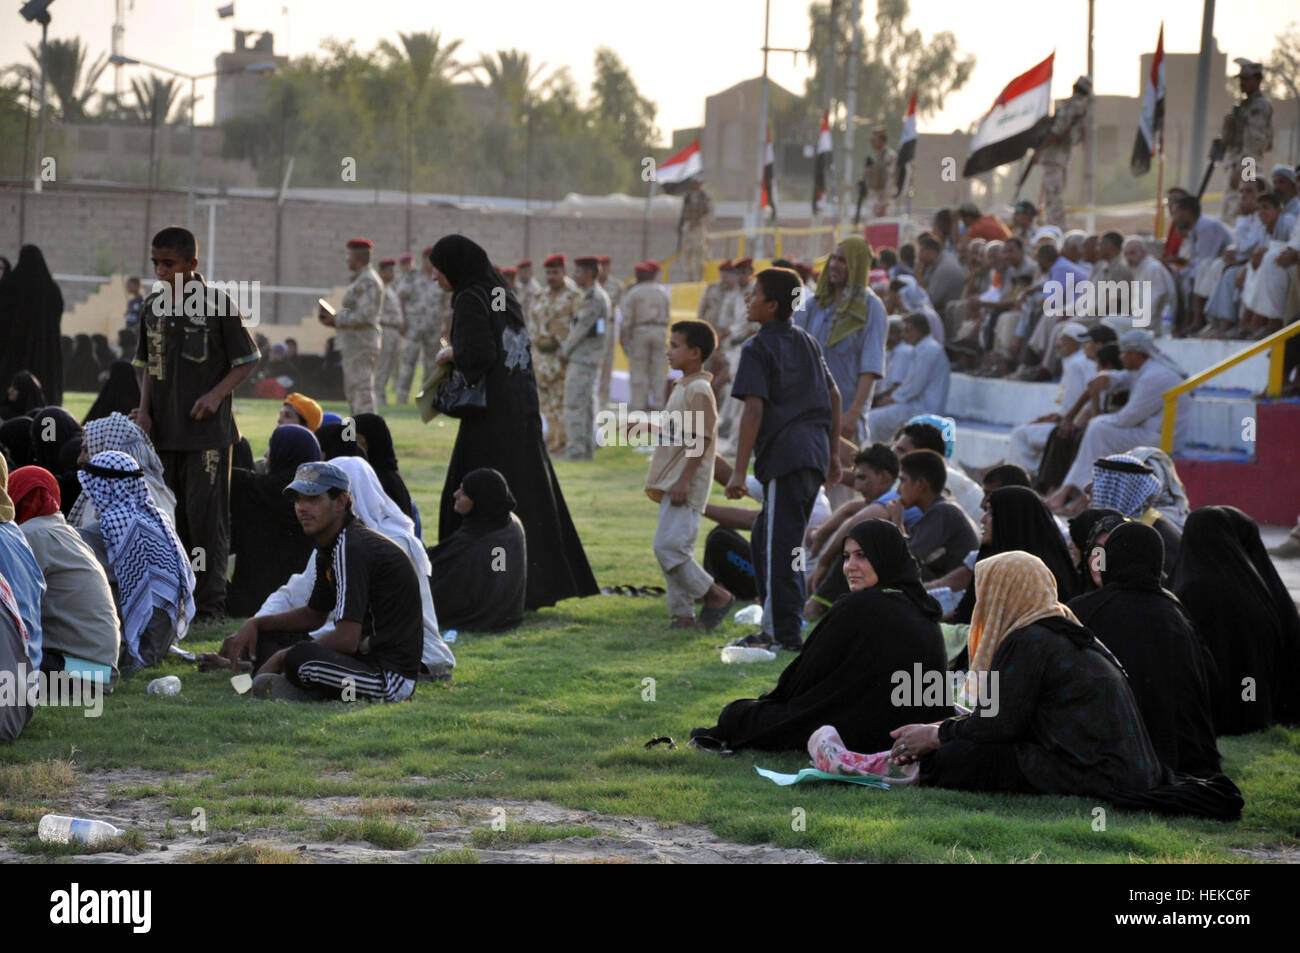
(849, 323)
(1053, 711)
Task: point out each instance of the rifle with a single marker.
(681, 220)
(862, 194)
(1217, 151)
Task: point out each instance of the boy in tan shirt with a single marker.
(681, 471)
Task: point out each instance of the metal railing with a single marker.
(1275, 344)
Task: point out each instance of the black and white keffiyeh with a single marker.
(119, 432)
(151, 566)
(1124, 483)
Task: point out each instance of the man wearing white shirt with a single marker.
(1136, 424)
(1248, 235)
(924, 390)
(898, 356)
(1028, 440)
(1264, 293)
(1160, 294)
(1207, 237)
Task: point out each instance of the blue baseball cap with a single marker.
(313, 479)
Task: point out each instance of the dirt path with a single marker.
(474, 830)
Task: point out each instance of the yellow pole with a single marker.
(1167, 425)
(1276, 356)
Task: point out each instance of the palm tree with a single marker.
(154, 98)
(65, 61)
(423, 59)
(513, 82)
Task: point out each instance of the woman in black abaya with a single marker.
(1017, 518)
(1245, 617)
(25, 396)
(377, 441)
(31, 310)
(1151, 634)
(844, 675)
(120, 393)
(492, 343)
(479, 574)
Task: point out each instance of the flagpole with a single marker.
(762, 118)
(851, 113)
(1160, 186)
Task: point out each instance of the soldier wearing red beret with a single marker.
(549, 316)
(583, 349)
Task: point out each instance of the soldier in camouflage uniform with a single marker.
(548, 326)
(1066, 132)
(879, 173)
(614, 291)
(1247, 134)
(734, 329)
(528, 286)
(697, 210)
(357, 327)
(422, 300)
(582, 351)
(711, 311)
(644, 335)
(392, 326)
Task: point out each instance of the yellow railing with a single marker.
(1275, 343)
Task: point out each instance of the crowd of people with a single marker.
(116, 532)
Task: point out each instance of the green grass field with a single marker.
(556, 712)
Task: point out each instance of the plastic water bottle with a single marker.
(61, 829)
(1167, 323)
(750, 615)
(167, 685)
(732, 654)
(449, 636)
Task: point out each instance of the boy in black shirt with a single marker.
(374, 650)
(196, 351)
(790, 403)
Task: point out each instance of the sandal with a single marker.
(755, 640)
(709, 618)
(652, 591)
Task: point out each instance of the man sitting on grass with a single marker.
(374, 650)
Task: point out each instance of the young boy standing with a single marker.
(195, 350)
(681, 471)
(790, 403)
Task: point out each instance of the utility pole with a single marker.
(757, 218)
(829, 73)
(1197, 154)
(852, 110)
(40, 128)
(1090, 172)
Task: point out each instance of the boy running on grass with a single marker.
(681, 471)
(790, 402)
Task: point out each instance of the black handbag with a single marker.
(458, 398)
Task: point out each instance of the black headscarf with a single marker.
(45, 453)
(1021, 521)
(382, 457)
(894, 565)
(290, 447)
(16, 436)
(1249, 627)
(1134, 556)
(466, 265)
(31, 311)
(30, 395)
(492, 498)
(332, 444)
(1083, 533)
(120, 393)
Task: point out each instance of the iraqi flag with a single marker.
(1151, 125)
(906, 144)
(769, 189)
(1016, 123)
(822, 163)
(673, 176)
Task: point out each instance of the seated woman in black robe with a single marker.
(1016, 518)
(377, 441)
(120, 393)
(24, 396)
(330, 436)
(1151, 634)
(1244, 614)
(56, 444)
(479, 574)
(266, 539)
(1085, 529)
(1060, 717)
(846, 674)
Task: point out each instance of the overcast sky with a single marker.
(679, 51)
